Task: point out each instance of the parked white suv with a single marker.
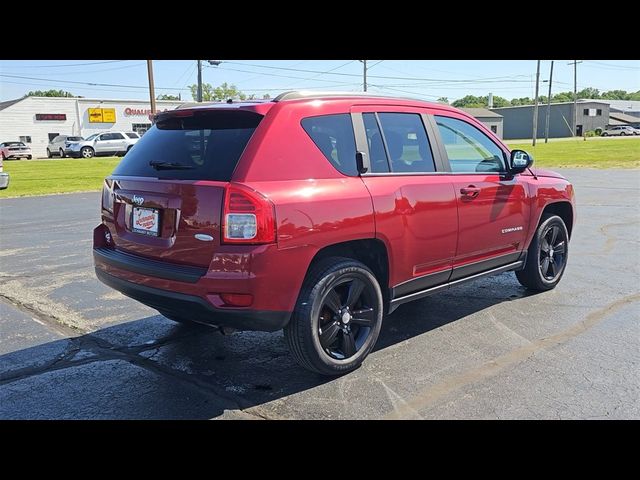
(621, 130)
(102, 144)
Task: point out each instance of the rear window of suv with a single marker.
(203, 146)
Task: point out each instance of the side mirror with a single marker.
(519, 161)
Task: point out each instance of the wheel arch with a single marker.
(372, 252)
(563, 209)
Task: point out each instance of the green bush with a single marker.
(590, 133)
(598, 131)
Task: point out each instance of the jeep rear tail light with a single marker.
(248, 217)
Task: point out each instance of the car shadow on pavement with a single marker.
(152, 368)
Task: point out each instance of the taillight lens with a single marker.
(248, 217)
(107, 197)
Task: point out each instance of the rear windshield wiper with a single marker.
(170, 166)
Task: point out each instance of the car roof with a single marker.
(301, 96)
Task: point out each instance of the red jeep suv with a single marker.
(319, 213)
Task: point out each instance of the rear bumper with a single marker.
(17, 155)
(195, 308)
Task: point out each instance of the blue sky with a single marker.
(427, 79)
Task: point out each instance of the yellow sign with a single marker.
(102, 115)
(95, 115)
(109, 115)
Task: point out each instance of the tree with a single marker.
(444, 100)
(521, 101)
(50, 93)
(220, 94)
(589, 93)
(266, 96)
(167, 96)
(469, 101)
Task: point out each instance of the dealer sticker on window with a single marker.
(145, 221)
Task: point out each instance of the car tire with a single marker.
(49, 155)
(87, 152)
(622, 134)
(605, 134)
(337, 318)
(29, 157)
(547, 255)
(61, 153)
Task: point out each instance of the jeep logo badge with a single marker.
(138, 200)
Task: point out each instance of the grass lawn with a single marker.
(41, 177)
(592, 153)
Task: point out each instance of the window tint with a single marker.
(92, 137)
(406, 142)
(132, 135)
(377, 153)
(105, 136)
(468, 149)
(116, 136)
(333, 135)
(74, 139)
(204, 146)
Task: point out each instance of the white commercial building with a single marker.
(36, 120)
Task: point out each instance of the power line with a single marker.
(371, 76)
(615, 65)
(84, 83)
(89, 71)
(274, 74)
(65, 65)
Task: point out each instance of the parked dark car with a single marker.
(319, 214)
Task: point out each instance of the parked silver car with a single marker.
(57, 145)
(102, 144)
(620, 130)
(4, 177)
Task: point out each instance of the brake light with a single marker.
(107, 197)
(248, 217)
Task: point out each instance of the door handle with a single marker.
(470, 192)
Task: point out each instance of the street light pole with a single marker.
(199, 98)
(152, 92)
(546, 123)
(535, 108)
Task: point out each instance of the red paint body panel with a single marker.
(424, 221)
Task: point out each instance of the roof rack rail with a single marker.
(298, 94)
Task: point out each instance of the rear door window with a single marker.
(333, 135)
(202, 146)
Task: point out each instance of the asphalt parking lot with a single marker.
(72, 348)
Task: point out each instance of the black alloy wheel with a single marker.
(547, 255)
(337, 318)
(551, 256)
(347, 314)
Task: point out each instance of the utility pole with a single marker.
(546, 123)
(535, 108)
(152, 91)
(199, 98)
(575, 94)
(364, 75)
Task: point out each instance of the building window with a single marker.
(494, 128)
(599, 112)
(25, 138)
(140, 128)
(585, 112)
